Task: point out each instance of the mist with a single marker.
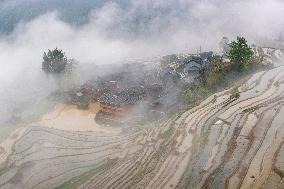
(114, 32)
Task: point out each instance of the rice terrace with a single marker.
(132, 94)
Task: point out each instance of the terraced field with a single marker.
(234, 139)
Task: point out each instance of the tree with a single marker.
(54, 61)
(240, 53)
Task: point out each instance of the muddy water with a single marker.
(62, 117)
(70, 118)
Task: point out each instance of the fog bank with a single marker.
(116, 31)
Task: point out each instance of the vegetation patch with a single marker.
(192, 93)
(235, 96)
(221, 74)
(83, 105)
(250, 110)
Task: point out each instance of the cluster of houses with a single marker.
(120, 94)
(154, 92)
(186, 67)
(119, 103)
(134, 87)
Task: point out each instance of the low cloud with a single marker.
(116, 32)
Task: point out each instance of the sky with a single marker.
(108, 32)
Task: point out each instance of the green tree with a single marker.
(54, 61)
(240, 53)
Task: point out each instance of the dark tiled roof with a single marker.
(99, 86)
(124, 97)
(206, 55)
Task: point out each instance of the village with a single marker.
(140, 92)
(137, 92)
(131, 118)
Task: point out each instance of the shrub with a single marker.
(215, 72)
(192, 93)
(83, 105)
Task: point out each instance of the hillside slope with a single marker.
(234, 139)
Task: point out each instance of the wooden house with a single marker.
(96, 89)
(119, 104)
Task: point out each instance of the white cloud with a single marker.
(145, 28)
